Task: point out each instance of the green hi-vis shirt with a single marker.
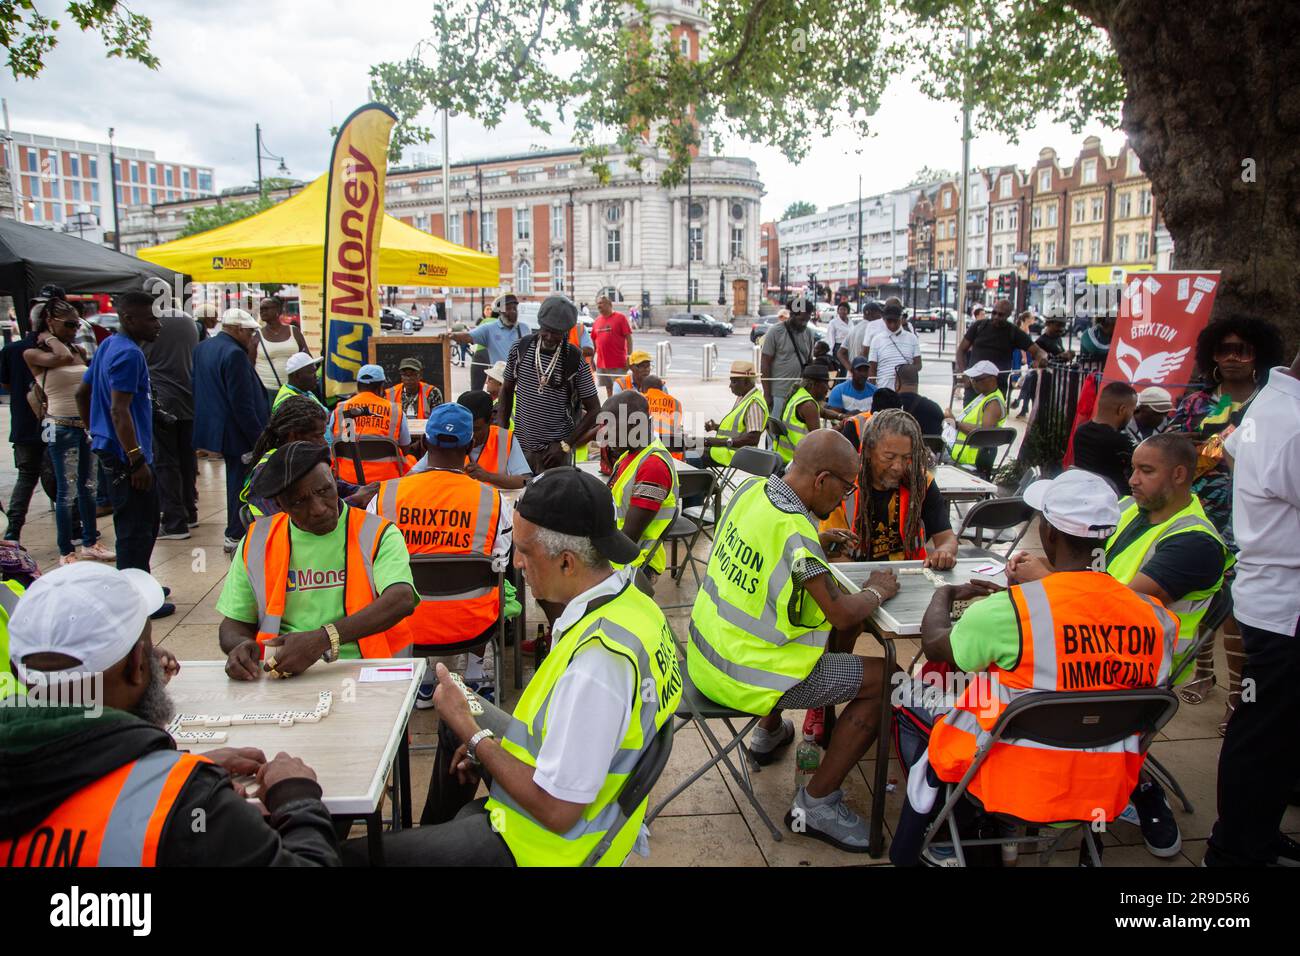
(987, 633)
(316, 577)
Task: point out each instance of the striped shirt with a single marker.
(783, 497)
(546, 416)
(888, 350)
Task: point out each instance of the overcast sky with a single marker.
(300, 67)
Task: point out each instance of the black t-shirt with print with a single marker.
(886, 523)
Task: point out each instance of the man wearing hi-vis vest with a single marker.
(585, 721)
(1166, 547)
(802, 411)
(91, 778)
(413, 395)
(988, 409)
(368, 412)
(1077, 629)
(666, 412)
(442, 510)
(763, 620)
(643, 478)
(319, 580)
(742, 427)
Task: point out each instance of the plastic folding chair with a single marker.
(688, 528)
(1073, 721)
(1220, 610)
(635, 791)
(982, 438)
(750, 460)
(374, 448)
(938, 447)
(698, 709)
(996, 515)
(443, 577)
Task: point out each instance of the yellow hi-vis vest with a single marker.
(754, 632)
(973, 414)
(1124, 565)
(733, 425)
(10, 592)
(629, 624)
(652, 552)
(796, 431)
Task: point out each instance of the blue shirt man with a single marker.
(120, 366)
(854, 395)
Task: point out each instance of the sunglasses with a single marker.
(1242, 350)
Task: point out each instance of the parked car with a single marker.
(391, 317)
(697, 323)
(759, 329)
(528, 313)
(926, 322)
(108, 320)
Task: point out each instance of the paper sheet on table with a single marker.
(377, 675)
(993, 570)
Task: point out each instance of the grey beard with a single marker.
(155, 706)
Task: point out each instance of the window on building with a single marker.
(695, 239)
(1143, 245)
(1089, 171)
(1013, 218)
(94, 192)
(1078, 211)
(997, 255)
(153, 175)
(1097, 208)
(1036, 217)
(1144, 201)
(613, 212)
(167, 177)
(1076, 251)
(1125, 205)
(1051, 214)
(684, 44)
(1094, 249)
(92, 167)
(1044, 180)
(422, 222)
(205, 182)
(557, 221)
(1035, 251)
(185, 178)
(54, 188)
(135, 173)
(1049, 254)
(489, 226)
(613, 246)
(1004, 187)
(1121, 248)
(455, 228)
(557, 275)
(523, 223)
(524, 278)
(693, 291)
(737, 242)
(999, 221)
(1134, 164)
(947, 200)
(74, 166)
(153, 197)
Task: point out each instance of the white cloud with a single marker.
(298, 68)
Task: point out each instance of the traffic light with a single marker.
(1006, 286)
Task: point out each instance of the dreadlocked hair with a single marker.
(893, 421)
(295, 414)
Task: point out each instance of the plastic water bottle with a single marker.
(806, 761)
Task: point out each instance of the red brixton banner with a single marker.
(1160, 316)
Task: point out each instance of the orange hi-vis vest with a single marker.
(846, 516)
(422, 407)
(268, 543)
(575, 339)
(1079, 631)
(115, 821)
(495, 456)
(857, 423)
(446, 512)
(383, 418)
(667, 414)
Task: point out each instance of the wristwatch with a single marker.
(330, 656)
(565, 447)
(471, 748)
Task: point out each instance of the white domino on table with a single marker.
(199, 736)
(284, 718)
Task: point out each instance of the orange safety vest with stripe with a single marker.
(115, 821)
(382, 418)
(667, 414)
(446, 512)
(422, 406)
(495, 456)
(268, 574)
(857, 423)
(846, 516)
(1079, 631)
(575, 339)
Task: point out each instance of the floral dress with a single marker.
(1202, 415)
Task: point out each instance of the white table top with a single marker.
(351, 750)
(592, 467)
(901, 615)
(952, 480)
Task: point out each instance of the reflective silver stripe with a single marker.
(598, 824)
(128, 822)
(367, 541)
(633, 644)
(255, 541)
(8, 599)
(733, 426)
(1190, 605)
(1169, 637)
(766, 627)
(394, 421)
(458, 596)
(388, 501)
(751, 676)
(486, 498)
(1126, 503)
(1043, 634)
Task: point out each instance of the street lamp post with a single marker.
(689, 251)
(264, 153)
(858, 297)
(112, 180)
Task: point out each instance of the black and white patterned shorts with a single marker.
(834, 679)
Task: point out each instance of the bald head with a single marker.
(653, 381)
(624, 422)
(825, 467)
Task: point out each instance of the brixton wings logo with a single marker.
(1154, 368)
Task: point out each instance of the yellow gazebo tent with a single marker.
(286, 244)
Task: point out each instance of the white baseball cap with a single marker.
(239, 318)
(982, 368)
(1077, 502)
(300, 360)
(1156, 398)
(497, 372)
(89, 612)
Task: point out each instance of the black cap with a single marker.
(873, 305)
(573, 502)
(817, 372)
(557, 313)
(286, 465)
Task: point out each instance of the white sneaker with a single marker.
(831, 822)
(96, 552)
(174, 536)
(229, 545)
(67, 559)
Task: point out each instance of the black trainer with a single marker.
(1287, 850)
(1159, 828)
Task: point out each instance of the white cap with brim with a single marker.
(982, 368)
(497, 372)
(89, 612)
(300, 360)
(239, 319)
(1076, 502)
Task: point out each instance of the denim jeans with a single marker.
(74, 478)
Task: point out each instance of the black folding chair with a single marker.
(444, 577)
(997, 515)
(636, 788)
(989, 438)
(685, 527)
(937, 446)
(778, 430)
(750, 460)
(1073, 721)
(373, 448)
(1220, 610)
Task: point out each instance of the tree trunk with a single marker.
(1213, 111)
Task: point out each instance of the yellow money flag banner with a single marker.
(353, 222)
